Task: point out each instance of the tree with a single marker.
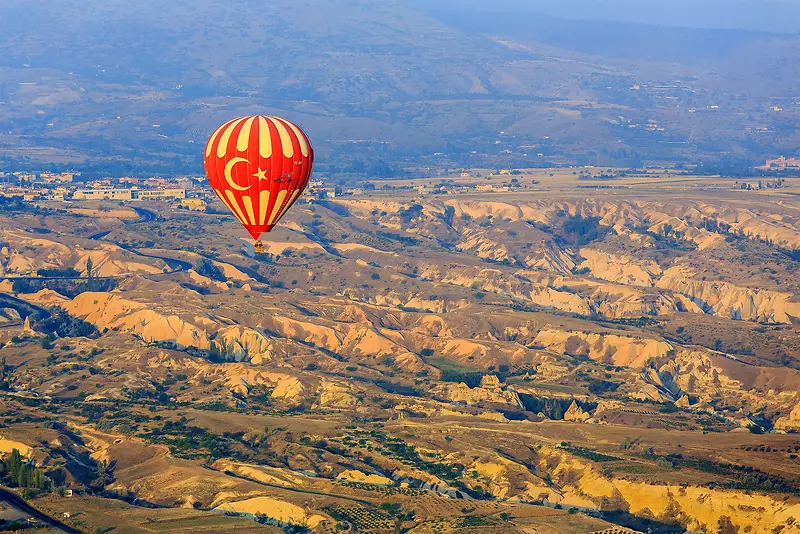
(14, 463)
(39, 479)
(103, 476)
(89, 265)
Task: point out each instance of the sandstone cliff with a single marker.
(617, 350)
(619, 268)
(727, 300)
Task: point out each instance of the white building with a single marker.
(129, 194)
(103, 194)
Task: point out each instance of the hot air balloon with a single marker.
(258, 167)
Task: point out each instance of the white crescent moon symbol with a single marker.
(229, 179)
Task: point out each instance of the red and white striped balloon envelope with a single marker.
(258, 167)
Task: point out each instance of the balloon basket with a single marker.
(259, 247)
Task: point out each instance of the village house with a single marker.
(782, 163)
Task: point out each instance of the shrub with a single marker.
(208, 269)
(68, 288)
(62, 324)
(59, 273)
(598, 387)
(583, 231)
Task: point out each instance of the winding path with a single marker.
(20, 504)
(145, 216)
(9, 301)
(289, 488)
(175, 265)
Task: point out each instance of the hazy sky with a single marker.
(773, 15)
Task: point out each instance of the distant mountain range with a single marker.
(764, 15)
(118, 87)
